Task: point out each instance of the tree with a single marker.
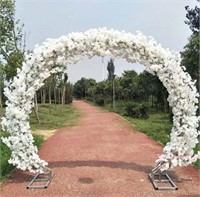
(129, 84)
(111, 69)
(193, 18)
(111, 77)
(82, 87)
(11, 39)
(64, 84)
(190, 55)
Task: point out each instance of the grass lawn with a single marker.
(54, 117)
(51, 117)
(157, 126)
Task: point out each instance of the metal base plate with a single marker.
(164, 180)
(41, 180)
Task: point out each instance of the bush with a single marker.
(100, 101)
(136, 111)
(5, 154)
(38, 140)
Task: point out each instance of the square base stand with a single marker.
(162, 182)
(41, 180)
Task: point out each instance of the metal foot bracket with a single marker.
(41, 180)
(161, 180)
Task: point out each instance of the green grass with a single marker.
(157, 126)
(51, 117)
(54, 117)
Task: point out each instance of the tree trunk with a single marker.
(152, 100)
(113, 83)
(63, 96)
(55, 98)
(50, 95)
(44, 96)
(59, 96)
(36, 108)
(41, 97)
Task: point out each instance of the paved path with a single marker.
(101, 157)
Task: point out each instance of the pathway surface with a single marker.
(101, 157)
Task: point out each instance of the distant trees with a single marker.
(12, 48)
(131, 86)
(56, 90)
(83, 88)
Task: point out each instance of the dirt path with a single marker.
(101, 156)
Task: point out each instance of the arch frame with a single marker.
(52, 56)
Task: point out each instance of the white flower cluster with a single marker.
(52, 57)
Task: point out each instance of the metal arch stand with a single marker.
(41, 180)
(158, 177)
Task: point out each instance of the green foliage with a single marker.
(99, 101)
(129, 83)
(38, 140)
(11, 39)
(190, 56)
(129, 87)
(82, 88)
(196, 149)
(5, 154)
(136, 111)
(193, 18)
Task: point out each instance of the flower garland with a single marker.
(51, 57)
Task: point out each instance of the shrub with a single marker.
(100, 101)
(136, 111)
(5, 153)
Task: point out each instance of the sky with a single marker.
(161, 19)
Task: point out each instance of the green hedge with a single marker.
(136, 111)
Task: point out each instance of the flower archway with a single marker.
(51, 57)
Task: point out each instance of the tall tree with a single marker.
(11, 38)
(190, 55)
(111, 77)
(111, 69)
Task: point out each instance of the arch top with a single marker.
(52, 56)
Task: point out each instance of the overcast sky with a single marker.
(161, 19)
